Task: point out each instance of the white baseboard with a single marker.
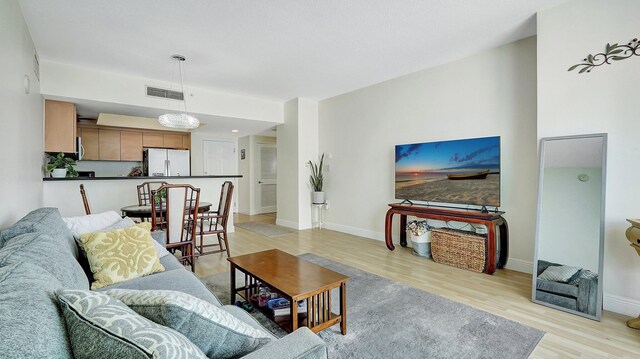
(288, 224)
(622, 305)
(519, 265)
(355, 231)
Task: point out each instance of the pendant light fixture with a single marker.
(179, 120)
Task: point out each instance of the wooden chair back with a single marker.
(224, 205)
(144, 191)
(177, 213)
(85, 202)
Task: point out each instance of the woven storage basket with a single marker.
(460, 249)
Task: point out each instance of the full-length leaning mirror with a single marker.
(570, 227)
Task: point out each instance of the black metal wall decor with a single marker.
(615, 52)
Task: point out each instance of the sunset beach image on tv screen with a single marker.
(459, 171)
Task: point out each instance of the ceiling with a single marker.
(277, 49)
(209, 124)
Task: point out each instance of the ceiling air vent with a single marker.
(164, 93)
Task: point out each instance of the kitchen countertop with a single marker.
(158, 178)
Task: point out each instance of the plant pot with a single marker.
(59, 173)
(318, 198)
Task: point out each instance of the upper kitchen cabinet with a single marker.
(90, 147)
(186, 141)
(59, 126)
(152, 139)
(109, 144)
(131, 146)
(172, 140)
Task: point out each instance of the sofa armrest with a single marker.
(587, 300)
(160, 237)
(302, 343)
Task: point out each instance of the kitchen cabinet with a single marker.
(90, 143)
(109, 144)
(172, 140)
(152, 139)
(186, 141)
(59, 126)
(130, 146)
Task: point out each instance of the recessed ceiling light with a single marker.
(234, 131)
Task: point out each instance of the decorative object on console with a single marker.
(316, 179)
(179, 120)
(615, 52)
(61, 166)
(633, 235)
(420, 233)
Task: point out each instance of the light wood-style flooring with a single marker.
(507, 293)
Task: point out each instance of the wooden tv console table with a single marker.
(493, 220)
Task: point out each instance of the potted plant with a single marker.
(420, 233)
(316, 180)
(61, 166)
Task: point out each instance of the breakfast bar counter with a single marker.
(113, 193)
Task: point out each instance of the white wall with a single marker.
(75, 82)
(570, 217)
(244, 169)
(288, 166)
(21, 119)
(604, 100)
(492, 93)
(297, 143)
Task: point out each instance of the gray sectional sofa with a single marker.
(580, 295)
(38, 255)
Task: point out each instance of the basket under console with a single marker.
(462, 249)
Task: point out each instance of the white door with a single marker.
(219, 158)
(179, 163)
(266, 194)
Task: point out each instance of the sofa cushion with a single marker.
(103, 327)
(120, 255)
(179, 279)
(246, 317)
(31, 323)
(90, 223)
(170, 262)
(215, 331)
(46, 220)
(48, 253)
(559, 273)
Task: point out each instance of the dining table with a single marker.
(144, 211)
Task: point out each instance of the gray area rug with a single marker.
(386, 319)
(266, 229)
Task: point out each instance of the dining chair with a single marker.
(217, 222)
(144, 191)
(177, 215)
(85, 202)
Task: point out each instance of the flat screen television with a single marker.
(459, 171)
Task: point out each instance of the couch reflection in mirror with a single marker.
(568, 287)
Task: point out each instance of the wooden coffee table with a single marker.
(296, 280)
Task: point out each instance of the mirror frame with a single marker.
(601, 237)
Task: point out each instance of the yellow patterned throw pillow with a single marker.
(120, 255)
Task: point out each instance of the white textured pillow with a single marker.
(560, 274)
(226, 336)
(91, 223)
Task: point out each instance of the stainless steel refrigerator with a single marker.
(160, 162)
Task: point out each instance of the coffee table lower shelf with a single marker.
(318, 305)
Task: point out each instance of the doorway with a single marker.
(219, 158)
(266, 186)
